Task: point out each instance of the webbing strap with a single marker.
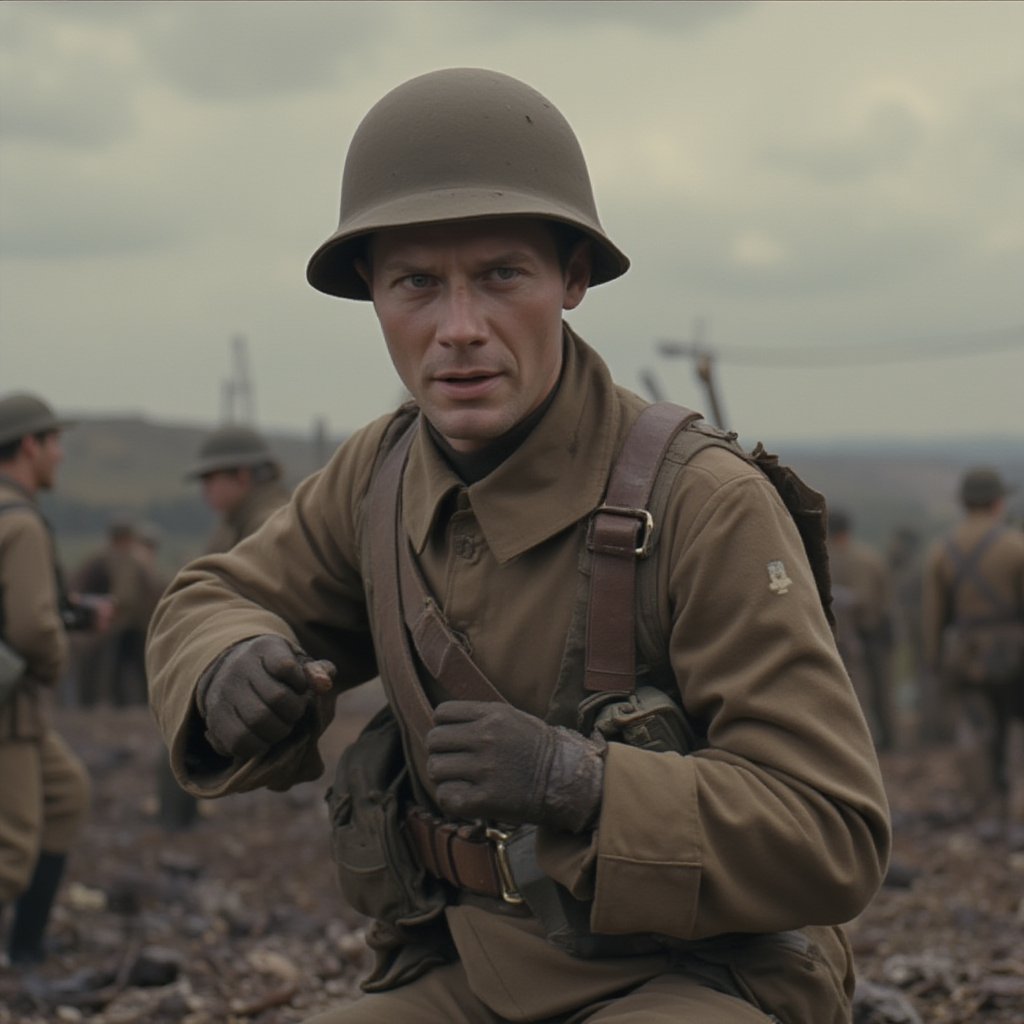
(619, 535)
(398, 671)
(966, 568)
(443, 653)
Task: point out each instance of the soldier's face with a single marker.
(472, 316)
(225, 489)
(46, 454)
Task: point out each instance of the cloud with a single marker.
(213, 51)
(61, 82)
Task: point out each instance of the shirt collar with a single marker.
(10, 482)
(555, 477)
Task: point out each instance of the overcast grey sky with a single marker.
(841, 177)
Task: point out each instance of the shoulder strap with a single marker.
(63, 599)
(966, 567)
(618, 537)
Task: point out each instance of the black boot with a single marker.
(32, 911)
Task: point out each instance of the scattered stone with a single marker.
(155, 966)
(882, 1004)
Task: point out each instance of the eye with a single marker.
(418, 280)
(505, 273)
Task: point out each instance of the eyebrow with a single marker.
(410, 265)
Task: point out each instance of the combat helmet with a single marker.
(982, 486)
(22, 414)
(232, 447)
(459, 144)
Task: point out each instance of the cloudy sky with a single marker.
(836, 189)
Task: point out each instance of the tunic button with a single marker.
(464, 546)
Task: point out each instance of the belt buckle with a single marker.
(509, 893)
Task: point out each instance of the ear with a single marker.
(577, 274)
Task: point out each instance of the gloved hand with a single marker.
(491, 760)
(252, 697)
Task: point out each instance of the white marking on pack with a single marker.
(778, 581)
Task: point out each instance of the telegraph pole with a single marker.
(697, 349)
(238, 400)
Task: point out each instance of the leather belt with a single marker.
(472, 857)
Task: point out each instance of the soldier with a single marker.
(112, 666)
(241, 483)
(549, 874)
(240, 479)
(44, 791)
(973, 635)
(863, 589)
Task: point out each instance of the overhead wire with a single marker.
(855, 354)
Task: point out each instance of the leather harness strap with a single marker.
(442, 651)
(619, 535)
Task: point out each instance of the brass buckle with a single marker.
(624, 511)
(509, 892)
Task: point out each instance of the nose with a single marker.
(460, 321)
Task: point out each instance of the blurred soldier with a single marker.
(241, 482)
(905, 558)
(517, 864)
(112, 667)
(861, 579)
(973, 619)
(44, 788)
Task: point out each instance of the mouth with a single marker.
(466, 383)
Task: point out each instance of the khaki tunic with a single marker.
(1002, 566)
(862, 571)
(780, 822)
(29, 613)
(251, 513)
(44, 788)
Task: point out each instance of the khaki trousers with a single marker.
(443, 997)
(44, 796)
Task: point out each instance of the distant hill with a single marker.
(132, 467)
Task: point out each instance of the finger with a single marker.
(320, 675)
(237, 737)
(463, 737)
(282, 664)
(276, 696)
(461, 800)
(453, 711)
(452, 767)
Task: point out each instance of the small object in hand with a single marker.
(320, 675)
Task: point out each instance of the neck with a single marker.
(474, 466)
(21, 474)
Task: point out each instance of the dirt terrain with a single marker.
(238, 919)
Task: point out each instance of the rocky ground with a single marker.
(237, 920)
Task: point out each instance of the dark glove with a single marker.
(491, 760)
(253, 697)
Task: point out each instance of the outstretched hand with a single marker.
(256, 694)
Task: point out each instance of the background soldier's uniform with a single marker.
(781, 821)
(44, 788)
(265, 498)
(971, 629)
(861, 579)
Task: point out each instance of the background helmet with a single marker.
(982, 486)
(232, 447)
(459, 144)
(22, 414)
